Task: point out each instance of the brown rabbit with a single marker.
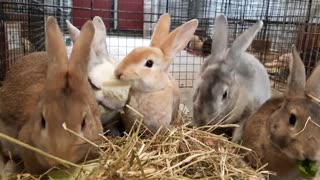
(154, 92)
(276, 131)
(44, 90)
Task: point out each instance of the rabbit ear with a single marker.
(56, 49)
(78, 63)
(313, 83)
(161, 30)
(178, 39)
(73, 31)
(219, 36)
(99, 43)
(242, 43)
(297, 77)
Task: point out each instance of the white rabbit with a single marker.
(101, 67)
(232, 83)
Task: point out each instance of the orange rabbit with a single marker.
(154, 92)
(44, 90)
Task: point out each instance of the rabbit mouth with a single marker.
(130, 76)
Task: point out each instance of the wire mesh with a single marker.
(130, 24)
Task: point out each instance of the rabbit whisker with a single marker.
(313, 97)
(305, 125)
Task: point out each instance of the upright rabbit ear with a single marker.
(161, 30)
(73, 31)
(78, 63)
(219, 36)
(297, 77)
(313, 83)
(99, 43)
(56, 49)
(242, 43)
(178, 39)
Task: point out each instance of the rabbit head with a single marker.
(147, 67)
(218, 88)
(98, 53)
(294, 127)
(67, 99)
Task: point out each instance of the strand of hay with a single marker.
(27, 146)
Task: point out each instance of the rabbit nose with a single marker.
(118, 74)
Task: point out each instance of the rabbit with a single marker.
(230, 80)
(42, 91)
(275, 132)
(154, 93)
(101, 68)
(101, 64)
(195, 44)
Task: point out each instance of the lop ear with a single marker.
(178, 39)
(242, 43)
(78, 63)
(73, 31)
(161, 30)
(297, 76)
(56, 49)
(219, 36)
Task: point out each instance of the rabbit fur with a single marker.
(276, 130)
(101, 69)
(42, 91)
(232, 83)
(101, 64)
(154, 92)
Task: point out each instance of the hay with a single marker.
(182, 152)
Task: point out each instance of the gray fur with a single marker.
(297, 77)
(313, 85)
(234, 71)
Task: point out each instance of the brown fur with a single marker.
(45, 84)
(256, 137)
(275, 133)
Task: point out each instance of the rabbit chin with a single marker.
(73, 155)
(148, 85)
(303, 155)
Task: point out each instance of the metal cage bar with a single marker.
(130, 24)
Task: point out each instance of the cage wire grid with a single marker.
(130, 24)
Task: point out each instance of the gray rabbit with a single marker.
(232, 83)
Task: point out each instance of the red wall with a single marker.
(82, 11)
(130, 14)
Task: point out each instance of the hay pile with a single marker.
(180, 153)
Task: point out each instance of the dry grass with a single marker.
(182, 152)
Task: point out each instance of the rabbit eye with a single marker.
(149, 63)
(83, 125)
(225, 95)
(292, 119)
(43, 122)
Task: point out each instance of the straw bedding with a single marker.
(183, 152)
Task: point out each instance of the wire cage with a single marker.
(130, 24)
